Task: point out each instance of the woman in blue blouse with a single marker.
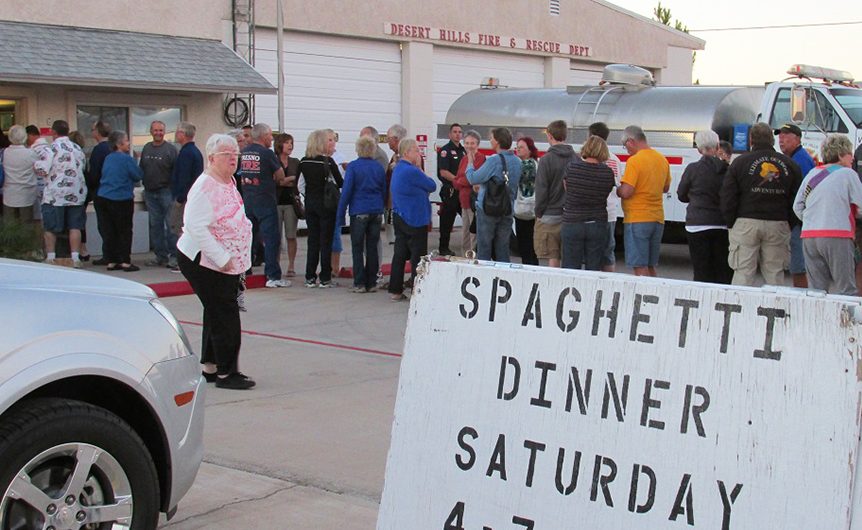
(116, 199)
(411, 214)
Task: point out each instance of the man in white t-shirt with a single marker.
(614, 208)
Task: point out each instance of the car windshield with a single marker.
(851, 100)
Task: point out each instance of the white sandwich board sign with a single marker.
(550, 400)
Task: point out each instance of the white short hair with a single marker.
(260, 130)
(18, 135)
(397, 131)
(219, 140)
(187, 128)
(706, 140)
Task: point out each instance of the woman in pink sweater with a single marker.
(214, 249)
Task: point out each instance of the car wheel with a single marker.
(67, 464)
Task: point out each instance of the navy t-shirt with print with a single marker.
(257, 166)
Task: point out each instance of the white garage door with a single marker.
(330, 82)
(458, 71)
(578, 76)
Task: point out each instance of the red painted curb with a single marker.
(255, 281)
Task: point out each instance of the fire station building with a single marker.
(346, 64)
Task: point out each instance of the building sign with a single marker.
(545, 399)
(489, 40)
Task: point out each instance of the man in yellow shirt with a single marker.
(646, 179)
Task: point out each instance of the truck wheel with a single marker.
(67, 464)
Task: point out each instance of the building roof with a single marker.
(62, 55)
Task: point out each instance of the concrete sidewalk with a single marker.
(307, 447)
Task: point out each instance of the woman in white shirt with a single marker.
(19, 188)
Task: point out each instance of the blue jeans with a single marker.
(364, 235)
(163, 239)
(643, 243)
(797, 256)
(266, 216)
(584, 243)
(492, 236)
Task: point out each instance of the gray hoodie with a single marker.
(550, 194)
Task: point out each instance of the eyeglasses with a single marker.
(232, 154)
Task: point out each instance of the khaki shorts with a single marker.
(287, 221)
(546, 240)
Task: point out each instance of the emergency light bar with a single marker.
(490, 82)
(818, 72)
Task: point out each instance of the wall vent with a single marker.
(554, 7)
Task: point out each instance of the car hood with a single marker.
(26, 275)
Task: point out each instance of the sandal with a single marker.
(291, 273)
(114, 267)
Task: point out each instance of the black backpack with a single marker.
(497, 202)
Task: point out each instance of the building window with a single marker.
(7, 114)
(554, 7)
(134, 120)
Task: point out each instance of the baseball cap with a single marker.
(790, 128)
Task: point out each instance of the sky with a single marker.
(753, 57)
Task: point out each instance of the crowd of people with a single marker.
(763, 211)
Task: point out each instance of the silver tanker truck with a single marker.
(819, 100)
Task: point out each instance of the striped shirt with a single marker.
(587, 189)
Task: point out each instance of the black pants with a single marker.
(115, 225)
(100, 224)
(321, 227)
(524, 234)
(708, 251)
(222, 331)
(450, 207)
(410, 243)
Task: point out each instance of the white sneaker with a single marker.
(78, 264)
(49, 261)
(277, 283)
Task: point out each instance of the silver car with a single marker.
(101, 402)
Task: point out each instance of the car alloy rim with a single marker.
(69, 486)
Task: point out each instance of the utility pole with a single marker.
(280, 60)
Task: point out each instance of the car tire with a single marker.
(45, 448)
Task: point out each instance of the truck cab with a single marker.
(828, 102)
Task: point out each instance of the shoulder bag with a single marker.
(331, 193)
(497, 202)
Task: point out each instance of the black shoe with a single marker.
(100, 261)
(234, 381)
(130, 268)
(445, 252)
(211, 378)
(85, 258)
